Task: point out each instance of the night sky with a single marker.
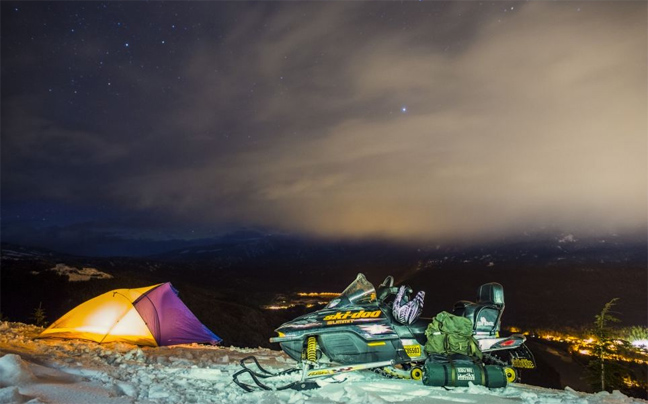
(143, 122)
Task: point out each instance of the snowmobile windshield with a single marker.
(360, 291)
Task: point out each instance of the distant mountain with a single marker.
(58, 282)
(17, 252)
(287, 256)
(298, 262)
(541, 250)
(549, 278)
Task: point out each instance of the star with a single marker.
(403, 109)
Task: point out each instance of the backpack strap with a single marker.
(453, 372)
(474, 350)
(483, 374)
(485, 381)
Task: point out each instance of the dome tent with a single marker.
(152, 315)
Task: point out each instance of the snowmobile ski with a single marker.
(308, 373)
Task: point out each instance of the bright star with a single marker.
(404, 109)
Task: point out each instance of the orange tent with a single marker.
(153, 315)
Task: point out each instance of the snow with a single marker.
(568, 239)
(77, 275)
(16, 255)
(75, 371)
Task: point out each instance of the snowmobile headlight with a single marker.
(281, 334)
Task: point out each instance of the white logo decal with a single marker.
(465, 374)
(483, 322)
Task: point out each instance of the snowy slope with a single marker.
(74, 371)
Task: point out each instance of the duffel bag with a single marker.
(459, 373)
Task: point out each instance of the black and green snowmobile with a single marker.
(357, 331)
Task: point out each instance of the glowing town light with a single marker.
(318, 294)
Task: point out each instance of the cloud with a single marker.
(293, 120)
(539, 120)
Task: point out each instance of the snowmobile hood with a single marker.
(367, 319)
(335, 316)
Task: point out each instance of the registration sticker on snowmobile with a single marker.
(523, 363)
(412, 350)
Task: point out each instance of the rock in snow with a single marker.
(74, 371)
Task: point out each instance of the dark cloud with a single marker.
(290, 116)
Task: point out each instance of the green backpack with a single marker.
(449, 334)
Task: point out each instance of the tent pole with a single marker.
(119, 319)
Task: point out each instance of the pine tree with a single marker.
(39, 316)
(607, 374)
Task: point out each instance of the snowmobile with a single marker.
(357, 331)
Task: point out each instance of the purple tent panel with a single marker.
(170, 321)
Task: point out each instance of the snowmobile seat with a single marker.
(486, 313)
(491, 293)
(415, 330)
(461, 305)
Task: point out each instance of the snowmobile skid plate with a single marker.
(308, 373)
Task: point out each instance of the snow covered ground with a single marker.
(73, 371)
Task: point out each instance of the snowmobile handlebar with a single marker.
(388, 282)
